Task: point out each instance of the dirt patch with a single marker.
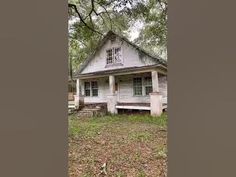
(129, 148)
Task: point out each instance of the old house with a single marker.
(122, 76)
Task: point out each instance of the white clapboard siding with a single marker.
(103, 91)
(163, 86)
(126, 94)
(130, 57)
(125, 90)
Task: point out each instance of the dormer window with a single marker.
(114, 56)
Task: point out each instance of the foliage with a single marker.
(89, 20)
(153, 37)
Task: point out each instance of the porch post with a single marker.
(155, 96)
(76, 97)
(112, 84)
(155, 84)
(112, 98)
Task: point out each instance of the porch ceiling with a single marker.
(123, 71)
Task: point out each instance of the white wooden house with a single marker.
(123, 76)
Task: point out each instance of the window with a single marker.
(87, 88)
(91, 88)
(142, 86)
(94, 88)
(137, 84)
(114, 55)
(109, 56)
(148, 85)
(117, 55)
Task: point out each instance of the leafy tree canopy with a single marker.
(90, 20)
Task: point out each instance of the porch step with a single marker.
(90, 112)
(85, 113)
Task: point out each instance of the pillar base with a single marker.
(111, 104)
(76, 101)
(79, 101)
(156, 103)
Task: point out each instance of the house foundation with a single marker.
(111, 104)
(156, 103)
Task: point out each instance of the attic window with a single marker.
(109, 56)
(114, 55)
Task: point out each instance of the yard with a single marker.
(129, 145)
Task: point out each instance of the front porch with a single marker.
(128, 89)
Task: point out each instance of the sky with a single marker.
(135, 30)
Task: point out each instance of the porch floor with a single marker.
(136, 106)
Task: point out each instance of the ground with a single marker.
(130, 145)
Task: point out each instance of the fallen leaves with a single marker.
(119, 149)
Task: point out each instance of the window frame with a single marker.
(147, 85)
(111, 59)
(137, 86)
(87, 89)
(91, 89)
(143, 86)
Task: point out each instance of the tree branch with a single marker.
(73, 6)
(106, 13)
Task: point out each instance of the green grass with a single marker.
(131, 145)
(91, 126)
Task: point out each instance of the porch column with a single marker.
(155, 96)
(112, 84)
(76, 97)
(112, 98)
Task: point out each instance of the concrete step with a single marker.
(90, 112)
(85, 114)
(90, 109)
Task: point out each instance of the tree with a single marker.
(89, 20)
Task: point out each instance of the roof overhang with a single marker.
(124, 71)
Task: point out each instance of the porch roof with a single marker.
(122, 71)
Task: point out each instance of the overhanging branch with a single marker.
(73, 6)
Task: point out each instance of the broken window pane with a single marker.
(117, 55)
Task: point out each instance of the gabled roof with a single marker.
(109, 35)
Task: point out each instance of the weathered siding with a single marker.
(126, 92)
(130, 57)
(103, 91)
(125, 89)
(163, 87)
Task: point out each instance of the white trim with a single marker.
(120, 74)
(143, 86)
(90, 88)
(134, 107)
(113, 61)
